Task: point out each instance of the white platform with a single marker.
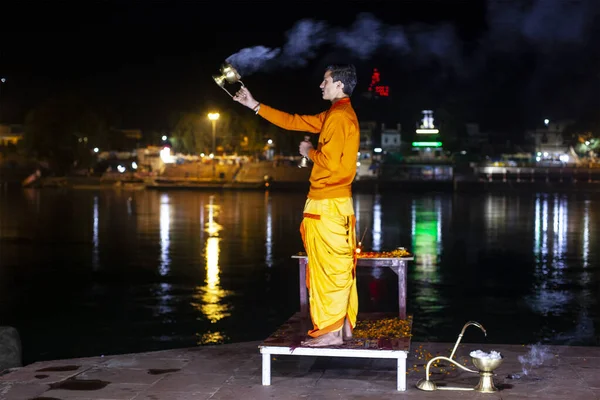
(288, 338)
(399, 355)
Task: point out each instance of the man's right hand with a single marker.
(243, 96)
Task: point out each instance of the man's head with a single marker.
(338, 82)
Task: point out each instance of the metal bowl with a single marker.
(219, 79)
(487, 364)
(230, 73)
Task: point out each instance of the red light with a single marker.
(375, 77)
(383, 91)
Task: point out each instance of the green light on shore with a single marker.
(427, 144)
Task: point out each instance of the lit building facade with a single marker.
(427, 141)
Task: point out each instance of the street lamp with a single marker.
(213, 118)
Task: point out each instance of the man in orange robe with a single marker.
(328, 226)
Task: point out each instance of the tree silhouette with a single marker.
(64, 130)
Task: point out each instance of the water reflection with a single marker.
(547, 297)
(496, 211)
(269, 231)
(585, 251)
(165, 243)
(211, 294)
(426, 230)
(95, 237)
(212, 227)
(557, 237)
(202, 231)
(164, 296)
(376, 232)
(560, 224)
(368, 213)
(537, 265)
(587, 295)
(209, 298)
(540, 250)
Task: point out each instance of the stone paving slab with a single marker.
(233, 371)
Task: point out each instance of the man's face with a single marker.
(331, 90)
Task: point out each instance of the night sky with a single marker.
(506, 65)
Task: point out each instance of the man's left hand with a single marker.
(304, 148)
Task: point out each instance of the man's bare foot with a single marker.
(328, 339)
(347, 330)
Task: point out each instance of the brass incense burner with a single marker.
(228, 74)
(485, 368)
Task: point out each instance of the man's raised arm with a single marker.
(292, 122)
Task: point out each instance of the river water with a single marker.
(85, 273)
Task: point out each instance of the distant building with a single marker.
(550, 143)
(365, 167)
(10, 134)
(391, 139)
(149, 158)
(367, 131)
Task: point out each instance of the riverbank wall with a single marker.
(277, 177)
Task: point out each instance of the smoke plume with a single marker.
(542, 26)
(539, 56)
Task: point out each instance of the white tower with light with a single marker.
(427, 142)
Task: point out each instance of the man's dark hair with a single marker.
(345, 74)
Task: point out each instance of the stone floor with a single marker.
(233, 371)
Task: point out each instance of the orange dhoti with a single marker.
(329, 236)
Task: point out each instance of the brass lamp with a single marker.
(228, 74)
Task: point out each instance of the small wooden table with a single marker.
(397, 264)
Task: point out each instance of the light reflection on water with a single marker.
(585, 250)
(95, 236)
(547, 297)
(189, 268)
(209, 298)
(426, 232)
(165, 224)
(269, 231)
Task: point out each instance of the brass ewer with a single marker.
(485, 368)
(228, 74)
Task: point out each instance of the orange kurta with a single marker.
(335, 157)
(328, 229)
